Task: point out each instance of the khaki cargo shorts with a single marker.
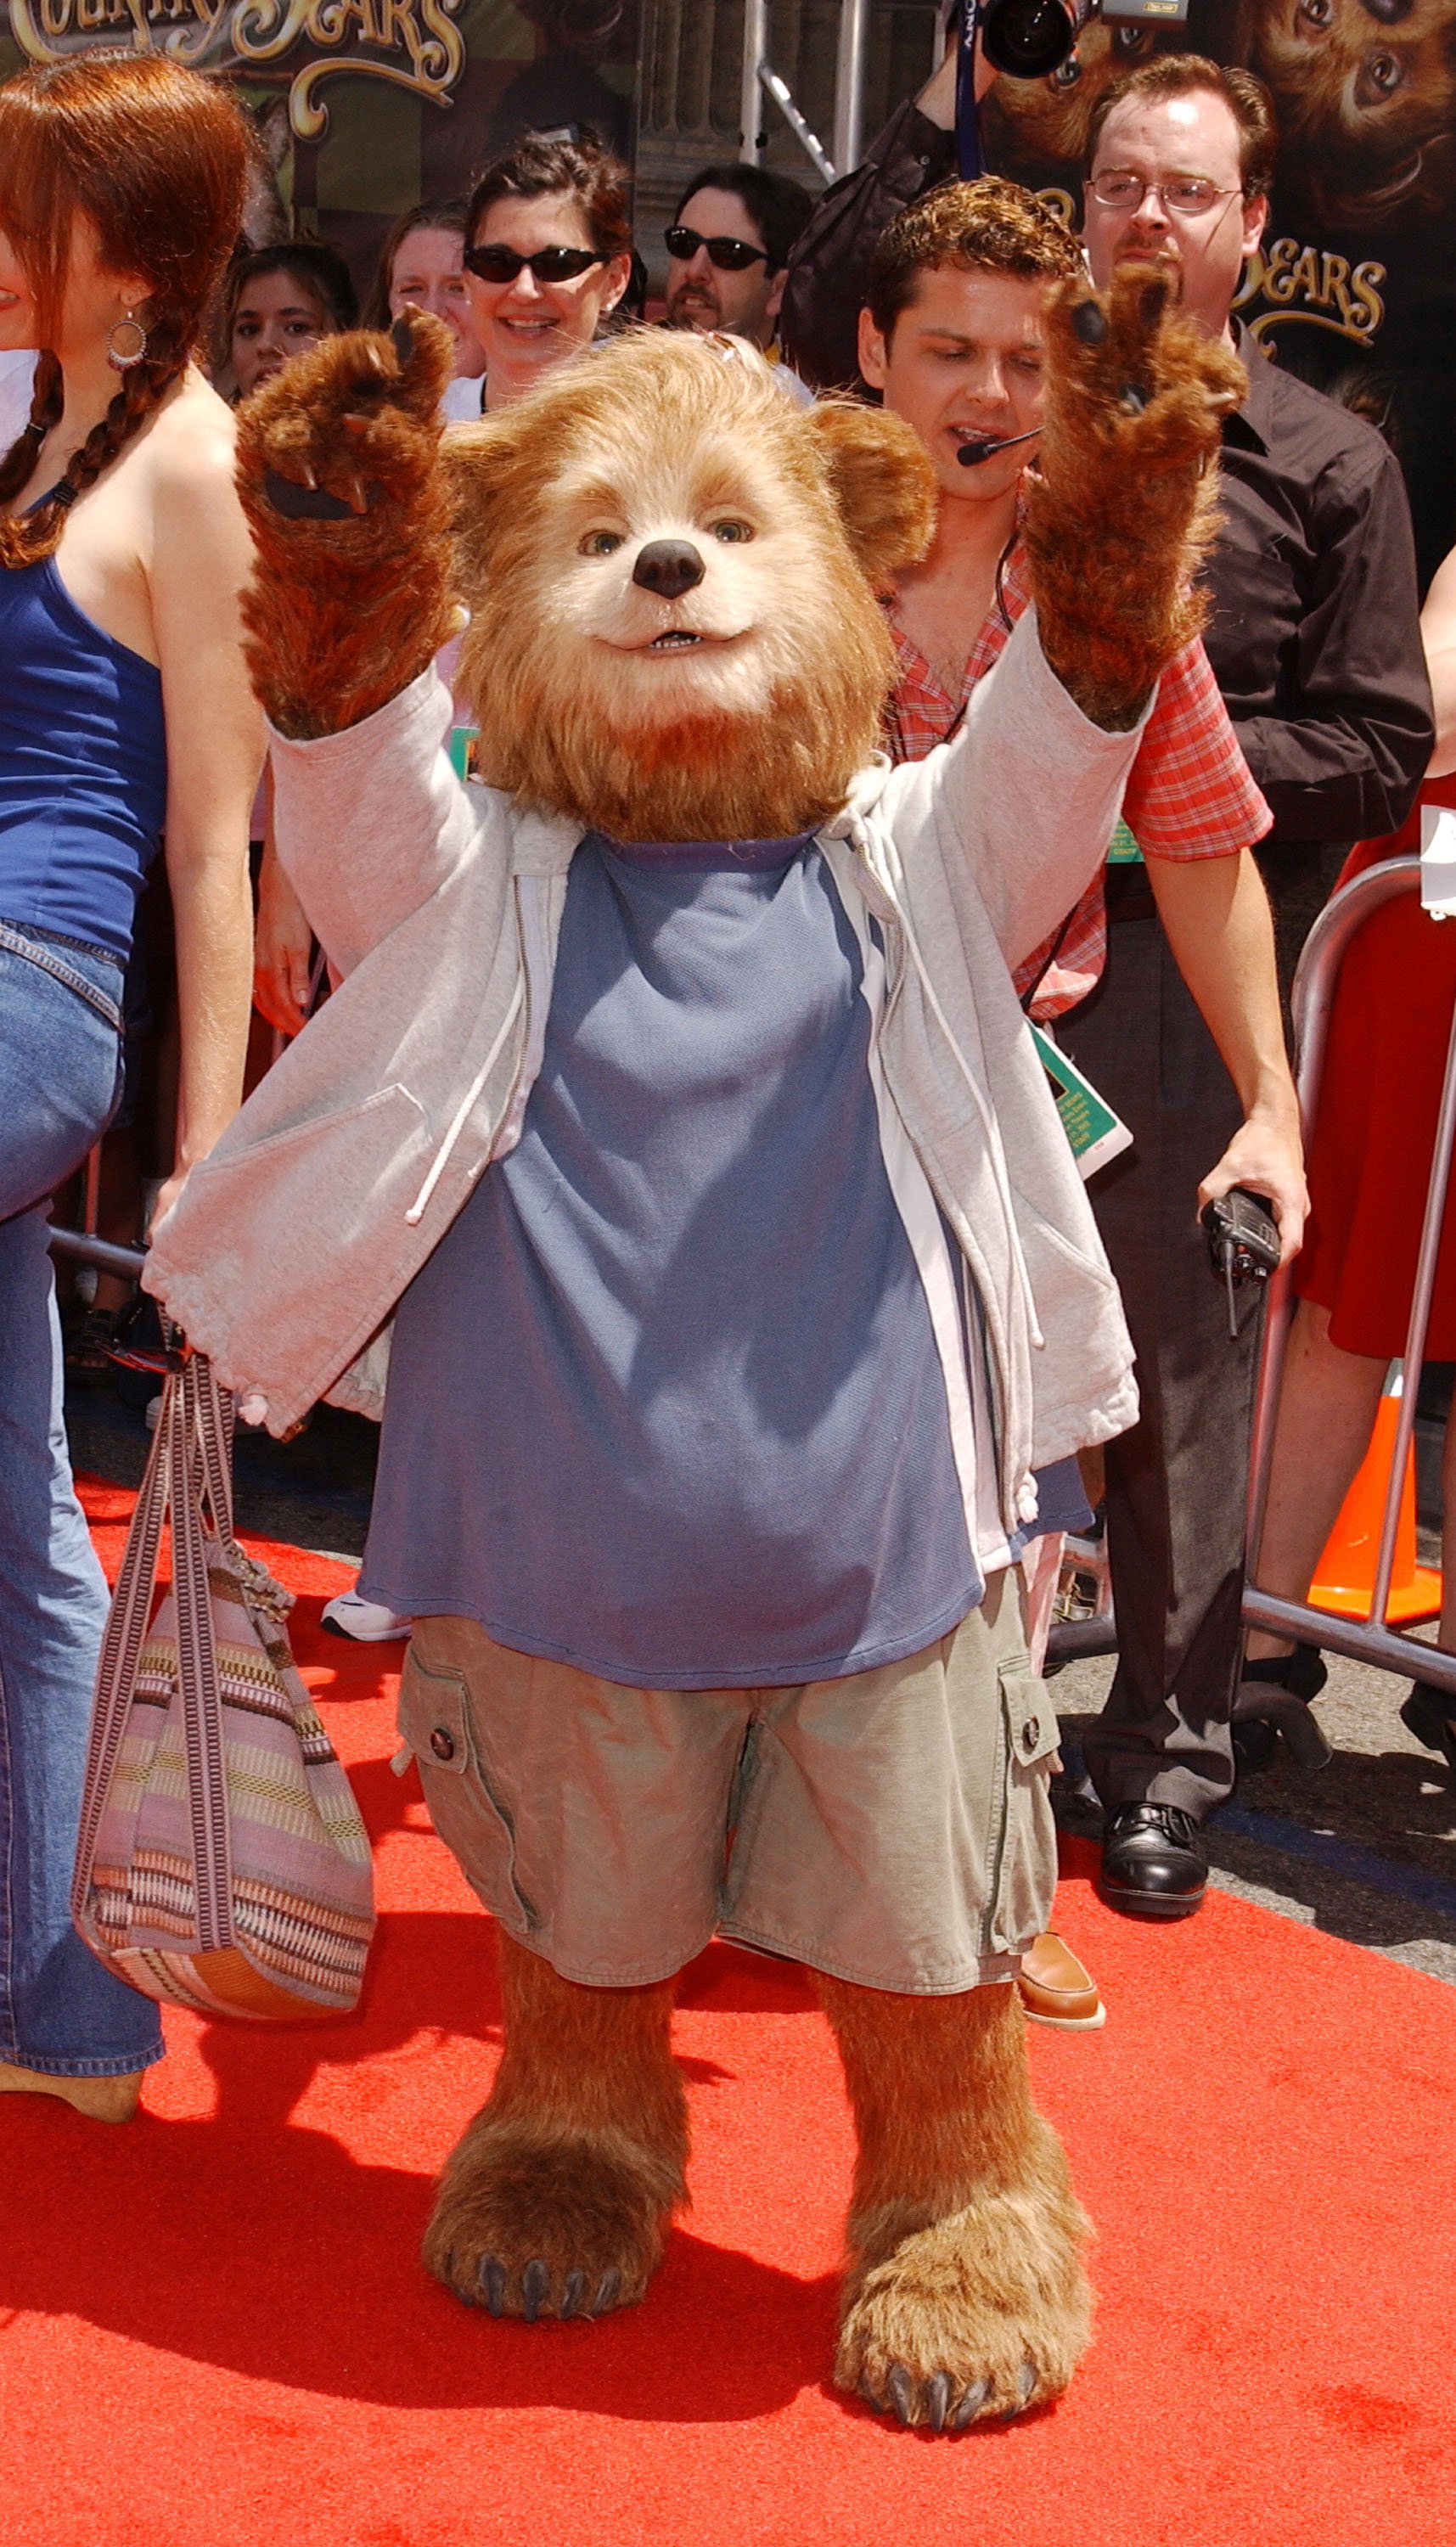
(894, 1828)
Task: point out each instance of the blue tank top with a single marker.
(84, 766)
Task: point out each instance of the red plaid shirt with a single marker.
(1189, 794)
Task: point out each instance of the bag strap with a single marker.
(198, 1683)
(214, 1434)
(125, 1630)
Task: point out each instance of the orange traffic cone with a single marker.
(1344, 1579)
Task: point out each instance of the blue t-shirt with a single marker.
(665, 1402)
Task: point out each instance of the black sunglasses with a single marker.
(548, 264)
(729, 255)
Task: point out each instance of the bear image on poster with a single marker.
(675, 653)
(1048, 120)
(1365, 95)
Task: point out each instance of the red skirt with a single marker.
(1375, 1129)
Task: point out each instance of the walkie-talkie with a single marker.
(1242, 1242)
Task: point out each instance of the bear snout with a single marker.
(668, 568)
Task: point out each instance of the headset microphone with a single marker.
(972, 454)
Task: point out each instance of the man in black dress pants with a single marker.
(1313, 641)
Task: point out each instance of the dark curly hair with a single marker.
(985, 223)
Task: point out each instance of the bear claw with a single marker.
(535, 2284)
(933, 2401)
(573, 2294)
(970, 2404)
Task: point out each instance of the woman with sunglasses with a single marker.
(550, 257)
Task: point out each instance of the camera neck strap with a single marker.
(969, 157)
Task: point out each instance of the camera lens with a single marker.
(1028, 38)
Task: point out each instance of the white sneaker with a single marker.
(369, 1622)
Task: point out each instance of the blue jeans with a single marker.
(60, 2010)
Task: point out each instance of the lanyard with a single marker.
(969, 158)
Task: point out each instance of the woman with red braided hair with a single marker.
(125, 713)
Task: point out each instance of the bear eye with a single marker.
(599, 544)
(731, 531)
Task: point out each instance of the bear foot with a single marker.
(974, 2317)
(533, 2226)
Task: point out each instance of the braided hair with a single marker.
(154, 157)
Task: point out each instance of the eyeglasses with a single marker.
(1122, 192)
(729, 255)
(500, 264)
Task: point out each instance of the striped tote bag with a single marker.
(222, 1862)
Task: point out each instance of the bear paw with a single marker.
(353, 558)
(535, 2227)
(979, 2315)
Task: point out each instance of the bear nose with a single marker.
(1388, 12)
(668, 568)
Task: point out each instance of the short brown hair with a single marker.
(1187, 75)
(984, 226)
(420, 217)
(542, 163)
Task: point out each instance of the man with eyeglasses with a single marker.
(1314, 641)
(728, 248)
(1314, 644)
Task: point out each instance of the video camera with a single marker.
(1029, 38)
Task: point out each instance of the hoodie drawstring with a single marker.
(441, 1161)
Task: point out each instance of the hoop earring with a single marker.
(126, 343)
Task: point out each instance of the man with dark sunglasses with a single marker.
(727, 246)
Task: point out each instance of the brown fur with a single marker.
(339, 618)
(1366, 106)
(853, 498)
(966, 2239)
(1122, 507)
(577, 2157)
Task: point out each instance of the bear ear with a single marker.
(881, 481)
(483, 465)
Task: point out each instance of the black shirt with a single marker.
(1314, 635)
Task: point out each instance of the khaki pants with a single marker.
(893, 1828)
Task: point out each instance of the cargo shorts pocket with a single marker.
(467, 1806)
(1026, 1876)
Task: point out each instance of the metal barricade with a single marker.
(85, 1247)
(1365, 1640)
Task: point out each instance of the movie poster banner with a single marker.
(366, 107)
(1355, 285)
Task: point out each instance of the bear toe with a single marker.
(970, 2320)
(559, 2229)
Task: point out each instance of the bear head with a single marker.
(671, 572)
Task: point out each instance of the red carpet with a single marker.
(214, 2332)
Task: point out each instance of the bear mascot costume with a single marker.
(674, 1136)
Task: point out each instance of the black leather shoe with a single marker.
(1272, 1705)
(1424, 1713)
(1155, 1865)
